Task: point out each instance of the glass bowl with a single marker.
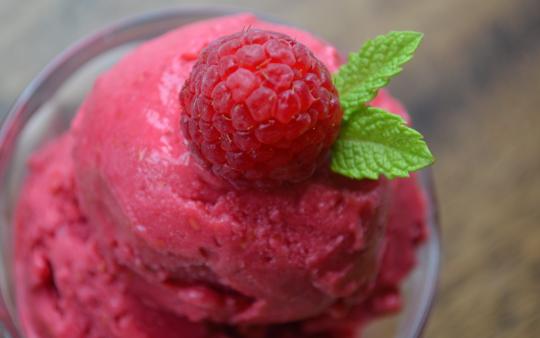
(46, 106)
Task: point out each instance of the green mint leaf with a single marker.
(372, 68)
(374, 142)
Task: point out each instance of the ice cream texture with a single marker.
(121, 234)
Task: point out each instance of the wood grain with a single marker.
(473, 89)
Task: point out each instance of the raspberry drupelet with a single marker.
(259, 109)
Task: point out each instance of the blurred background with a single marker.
(473, 90)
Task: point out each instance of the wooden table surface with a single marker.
(473, 89)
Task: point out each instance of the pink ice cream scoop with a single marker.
(121, 233)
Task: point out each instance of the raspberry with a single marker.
(259, 109)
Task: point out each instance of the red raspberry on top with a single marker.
(260, 109)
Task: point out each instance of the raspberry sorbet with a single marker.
(153, 217)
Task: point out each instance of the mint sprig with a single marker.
(373, 142)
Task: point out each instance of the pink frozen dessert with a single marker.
(199, 202)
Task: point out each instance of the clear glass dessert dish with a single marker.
(46, 107)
